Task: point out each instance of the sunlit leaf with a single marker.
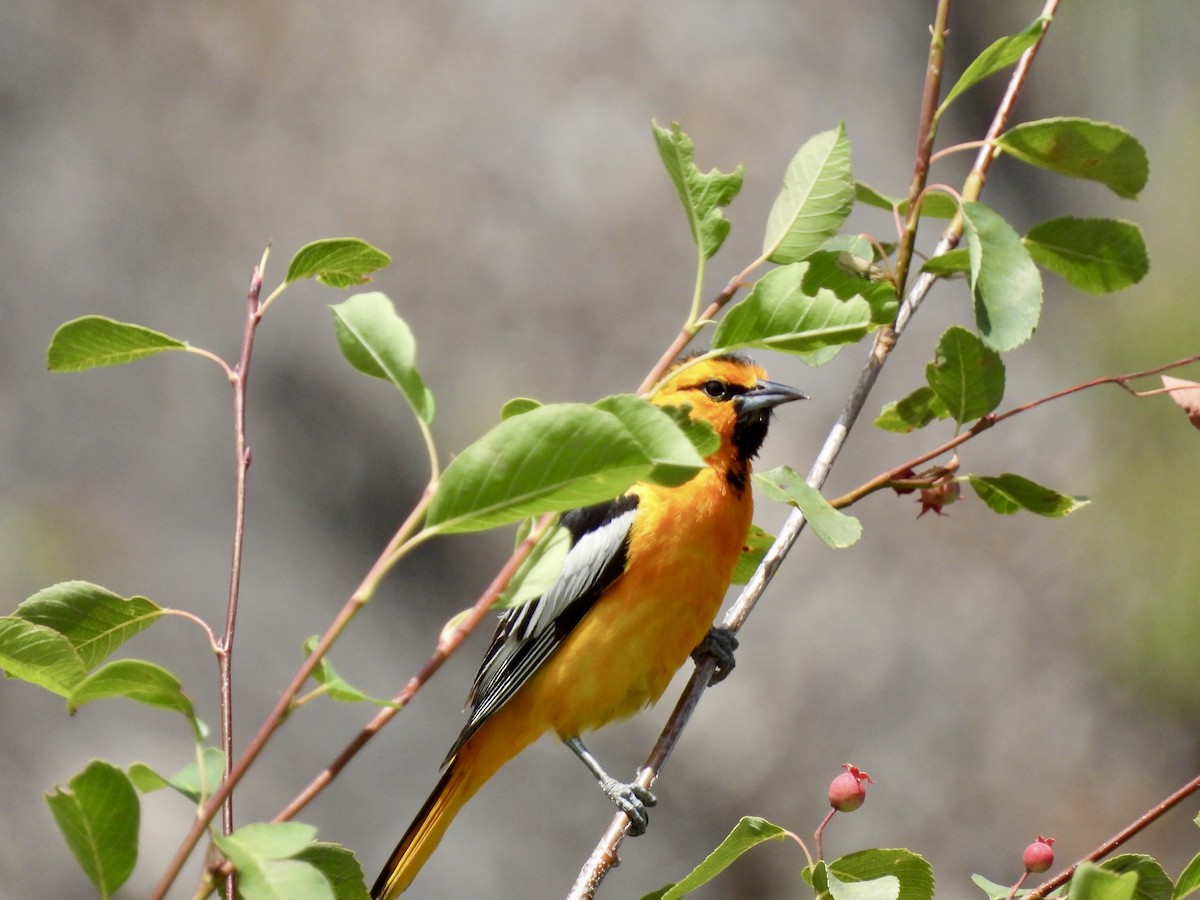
(816, 197)
(39, 655)
(189, 781)
(136, 679)
(966, 375)
(1008, 493)
(552, 458)
(785, 485)
(915, 411)
(703, 195)
(1094, 255)
(379, 343)
(337, 262)
(1098, 151)
(95, 620)
(746, 835)
(1005, 282)
(92, 341)
(999, 56)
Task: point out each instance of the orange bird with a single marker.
(642, 582)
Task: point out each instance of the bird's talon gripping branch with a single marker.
(633, 800)
(719, 643)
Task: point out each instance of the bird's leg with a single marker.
(631, 799)
(719, 643)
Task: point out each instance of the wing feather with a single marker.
(528, 635)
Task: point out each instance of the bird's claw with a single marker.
(633, 800)
(719, 643)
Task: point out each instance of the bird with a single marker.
(644, 577)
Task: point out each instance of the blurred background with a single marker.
(998, 677)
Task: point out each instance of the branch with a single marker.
(604, 856)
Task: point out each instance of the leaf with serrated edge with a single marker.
(1098, 151)
(703, 195)
(99, 816)
(94, 619)
(337, 262)
(1094, 255)
(379, 343)
(915, 411)
(676, 459)
(39, 655)
(550, 459)
(1005, 282)
(966, 375)
(93, 341)
(1008, 493)
(780, 314)
(816, 198)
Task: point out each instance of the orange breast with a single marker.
(620, 658)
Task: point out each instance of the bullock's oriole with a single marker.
(642, 582)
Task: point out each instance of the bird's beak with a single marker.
(765, 396)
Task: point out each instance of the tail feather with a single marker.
(477, 761)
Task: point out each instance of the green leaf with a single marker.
(1095, 255)
(99, 817)
(746, 835)
(95, 620)
(935, 205)
(335, 685)
(758, 542)
(993, 890)
(816, 198)
(265, 857)
(1152, 882)
(540, 569)
(340, 868)
(516, 406)
(676, 459)
(886, 887)
(1000, 55)
(702, 195)
(1098, 151)
(550, 459)
(779, 314)
(1090, 882)
(827, 269)
(39, 655)
(952, 262)
(914, 873)
(139, 680)
(785, 485)
(1008, 493)
(1189, 880)
(1004, 280)
(337, 262)
(187, 781)
(915, 411)
(966, 375)
(93, 341)
(379, 343)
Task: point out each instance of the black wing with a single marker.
(528, 634)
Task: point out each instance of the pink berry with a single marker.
(848, 791)
(1039, 856)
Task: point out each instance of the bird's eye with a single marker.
(714, 388)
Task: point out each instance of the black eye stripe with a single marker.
(722, 390)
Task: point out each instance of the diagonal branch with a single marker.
(604, 856)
